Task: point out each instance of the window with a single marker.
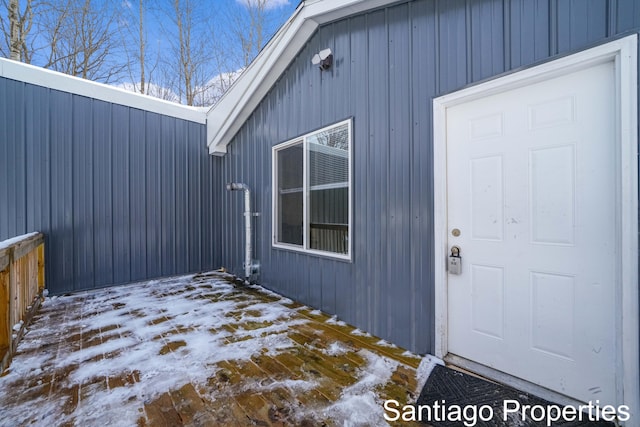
(312, 197)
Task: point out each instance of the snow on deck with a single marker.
(198, 350)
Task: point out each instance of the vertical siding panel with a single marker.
(453, 44)
(627, 15)
(344, 286)
(16, 176)
(102, 193)
(61, 245)
(34, 166)
(121, 176)
(168, 195)
(379, 168)
(229, 224)
(194, 226)
(153, 195)
(20, 178)
(5, 160)
(265, 218)
(182, 196)
(326, 95)
(398, 280)
(137, 192)
(529, 31)
(209, 212)
(83, 193)
(361, 240)
(235, 213)
(423, 84)
(315, 277)
(487, 38)
(580, 23)
(37, 142)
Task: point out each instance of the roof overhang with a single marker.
(58, 81)
(226, 118)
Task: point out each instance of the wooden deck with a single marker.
(135, 355)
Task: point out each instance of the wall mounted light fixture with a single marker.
(323, 59)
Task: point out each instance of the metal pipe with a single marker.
(250, 266)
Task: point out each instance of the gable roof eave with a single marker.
(226, 118)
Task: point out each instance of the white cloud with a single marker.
(269, 4)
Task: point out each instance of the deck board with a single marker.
(197, 350)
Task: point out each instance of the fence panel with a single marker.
(21, 286)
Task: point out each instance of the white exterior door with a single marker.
(532, 189)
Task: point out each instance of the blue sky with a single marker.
(217, 26)
(216, 21)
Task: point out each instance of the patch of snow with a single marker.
(384, 343)
(409, 354)
(333, 320)
(292, 385)
(360, 333)
(359, 405)
(45, 293)
(335, 349)
(17, 326)
(316, 313)
(424, 370)
(358, 410)
(14, 240)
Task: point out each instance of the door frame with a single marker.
(624, 53)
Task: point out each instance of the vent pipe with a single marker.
(250, 265)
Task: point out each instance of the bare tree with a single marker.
(190, 46)
(17, 31)
(251, 22)
(142, 44)
(135, 44)
(80, 40)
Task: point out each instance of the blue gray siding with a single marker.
(389, 64)
(121, 194)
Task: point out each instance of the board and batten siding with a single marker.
(121, 194)
(389, 64)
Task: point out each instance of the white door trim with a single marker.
(624, 52)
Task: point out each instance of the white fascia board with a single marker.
(226, 118)
(58, 81)
(323, 11)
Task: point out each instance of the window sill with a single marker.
(311, 252)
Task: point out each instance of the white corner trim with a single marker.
(226, 118)
(628, 115)
(38, 76)
(440, 226)
(624, 52)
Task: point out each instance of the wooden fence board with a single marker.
(5, 327)
(21, 283)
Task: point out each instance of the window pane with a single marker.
(329, 190)
(290, 212)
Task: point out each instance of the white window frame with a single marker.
(305, 198)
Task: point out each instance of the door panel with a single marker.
(531, 185)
